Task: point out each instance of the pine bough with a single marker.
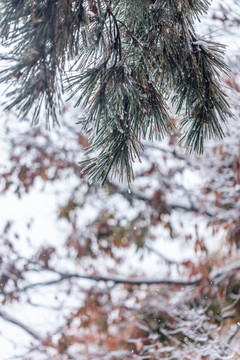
(124, 61)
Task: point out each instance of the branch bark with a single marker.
(98, 278)
(20, 324)
(138, 196)
(161, 256)
(120, 280)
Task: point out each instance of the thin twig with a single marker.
(233, 336)
(141, 197)
(163, 257)
(24, 327)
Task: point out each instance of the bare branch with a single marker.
(232, 336)
(106, 279)
(161, 256)
(138, 196)
(24, 327)
(216, 278)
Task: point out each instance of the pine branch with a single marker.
(205, 102)
(127, 58)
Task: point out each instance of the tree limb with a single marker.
(119, 280)
(161, 256)
(24, 327)
(141, 197)
(97, 278)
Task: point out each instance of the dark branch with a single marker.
(161, 256)
(24, 327)
(231, 338)
(106, 279)
(217, 278)
(138, 196)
